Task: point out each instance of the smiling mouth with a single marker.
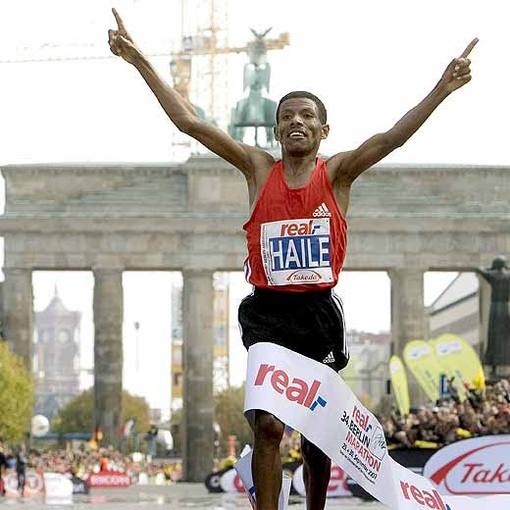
(296, 135)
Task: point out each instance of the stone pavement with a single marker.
(176, 497)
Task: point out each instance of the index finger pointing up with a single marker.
(120, 23)
(469, 47)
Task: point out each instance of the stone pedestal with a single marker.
(408, 317)
(484, 306)
(198, 401)
(18, 312)
(108, 310)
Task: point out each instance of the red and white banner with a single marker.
(313, 399)
(475, 467)
(107, 479)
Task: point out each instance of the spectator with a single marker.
(3, 467)
(21, 468)
(482, 413)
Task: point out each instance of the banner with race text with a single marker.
(313, 399)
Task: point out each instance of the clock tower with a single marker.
(57, 356)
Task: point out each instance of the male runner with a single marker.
(296, 236)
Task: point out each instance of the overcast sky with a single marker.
(370, 61)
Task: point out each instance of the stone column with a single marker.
(18, 312)
(197, 424)
(408, 316)
(108, 311)
(407, 307)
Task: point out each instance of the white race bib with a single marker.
(296, 252)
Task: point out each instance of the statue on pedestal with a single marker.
(498, 339)
(255, 111)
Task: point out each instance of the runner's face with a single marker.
(299, 128)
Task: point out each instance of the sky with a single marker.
(370, 62)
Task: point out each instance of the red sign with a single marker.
(108, 479)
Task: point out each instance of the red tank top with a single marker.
(296, 237)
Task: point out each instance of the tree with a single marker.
(78, 414)
(228, 412)
(16, 396)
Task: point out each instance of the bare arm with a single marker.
(181, 112)
(347, 166)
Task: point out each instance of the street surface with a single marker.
(175, 497)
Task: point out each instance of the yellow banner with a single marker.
(421, 360)
(399, 384)
(458, 359)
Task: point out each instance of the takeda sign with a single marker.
(478, 466)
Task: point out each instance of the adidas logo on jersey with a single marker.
(322, 211)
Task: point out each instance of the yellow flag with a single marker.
(458, 358)
(420, 358)
(399, 384)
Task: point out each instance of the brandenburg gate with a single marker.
(404, 219)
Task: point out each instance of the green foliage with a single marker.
(137, 407)
(16, 396)
(228, 412)
(78, 414)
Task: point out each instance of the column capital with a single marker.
(17, 270)
(411, 269)
(107, 270)
(197, 272)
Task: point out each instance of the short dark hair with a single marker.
(323, 114)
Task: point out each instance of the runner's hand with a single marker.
(458, 72)
(121, 43)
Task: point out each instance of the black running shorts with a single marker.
(309, 323)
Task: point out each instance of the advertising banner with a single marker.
(58, 488)
(421, 360)
(399, 384)
(107, 479)
(314, 400)
(458, 359)
(474, 467)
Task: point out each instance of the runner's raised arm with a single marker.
(345, 167)
(181, 112)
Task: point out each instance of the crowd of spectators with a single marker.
(82, 461)
(484, 412)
